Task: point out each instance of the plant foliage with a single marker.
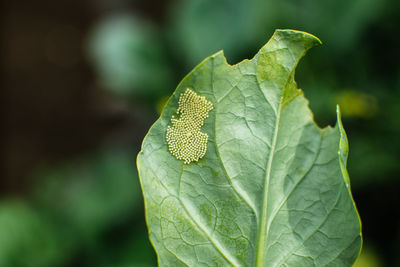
(272, 188)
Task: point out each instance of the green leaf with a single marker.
(272, 188)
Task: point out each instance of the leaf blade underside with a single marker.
(272, 188)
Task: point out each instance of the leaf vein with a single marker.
(224, 253)
(273, 216)
(241, 194)
(286, 257)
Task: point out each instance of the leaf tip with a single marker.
(309, 39)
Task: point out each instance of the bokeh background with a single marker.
(82, 82)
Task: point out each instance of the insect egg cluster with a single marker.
(185, 140)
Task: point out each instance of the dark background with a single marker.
(82, 81)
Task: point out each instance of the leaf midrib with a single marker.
(263, 230)
(263, 227)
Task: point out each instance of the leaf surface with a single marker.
(272, 188)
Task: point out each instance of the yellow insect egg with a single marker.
(185, 139)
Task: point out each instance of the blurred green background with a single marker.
(84, 80)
